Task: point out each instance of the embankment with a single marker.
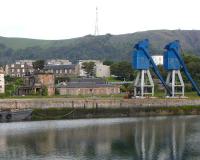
(94, 103)
(73, 108)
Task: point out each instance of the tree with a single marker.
(38, 65)
(108, 62)
(89, 68)
(122, 70)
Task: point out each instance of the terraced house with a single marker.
(19, 68)
(62, 70)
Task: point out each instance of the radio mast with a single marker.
(96, 31)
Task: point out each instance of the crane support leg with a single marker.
(143, 84)
(175, 82)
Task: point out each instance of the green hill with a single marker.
(104, 47)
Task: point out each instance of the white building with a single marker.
(100, 69)
(158, 59)
(2, 81)
(58, 62)
(25, 61)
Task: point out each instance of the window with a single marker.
(18, 70)
(65, 70)
(22, 65)
(13, 70)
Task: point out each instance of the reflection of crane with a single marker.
(178, 141)
(148, 147)
(142, 142)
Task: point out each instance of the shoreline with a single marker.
(78, 108)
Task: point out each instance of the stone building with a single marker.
(62, 70)
(2, 81)
(19, 68)
(36, 84)
(47, 80)
(87, 87)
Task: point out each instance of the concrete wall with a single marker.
(91, 103)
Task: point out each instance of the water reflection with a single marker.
(172, 138)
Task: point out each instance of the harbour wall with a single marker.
(42, 103)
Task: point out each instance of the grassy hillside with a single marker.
(112, 47)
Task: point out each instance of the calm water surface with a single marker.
(161, 138)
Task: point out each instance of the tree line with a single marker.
(124, 71)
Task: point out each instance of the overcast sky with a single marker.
(63, 19)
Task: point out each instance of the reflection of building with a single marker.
(19, 68)
(62, 70)
(87, 87)
(37, 83)
(100, 69)
(158, 59)
(2, 81)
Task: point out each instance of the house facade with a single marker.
(19, 69)
(62, 70)
(36, 84)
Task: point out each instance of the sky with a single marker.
(64, 19)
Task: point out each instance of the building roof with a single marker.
(83, 85)
(57, 67)
(89, 80)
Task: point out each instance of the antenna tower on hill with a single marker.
(96, 31)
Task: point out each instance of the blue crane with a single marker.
(146, 60)
(174, 48)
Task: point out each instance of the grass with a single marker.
(112, 96)
(112, 79)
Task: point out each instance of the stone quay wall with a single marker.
(94, 103)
